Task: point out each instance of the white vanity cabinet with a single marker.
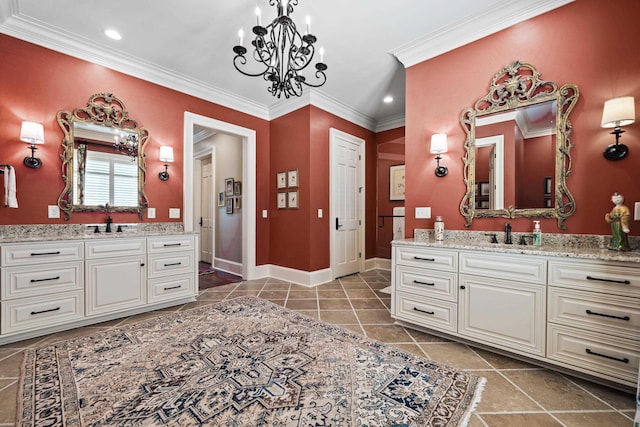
(581, 315)
(115, 275)
(172, 267)
(41, 285)
(594, 317)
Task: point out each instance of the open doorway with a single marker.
(242, 181)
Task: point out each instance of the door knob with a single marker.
(338, 225)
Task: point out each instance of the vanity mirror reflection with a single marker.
(517, 149)
(103, 160)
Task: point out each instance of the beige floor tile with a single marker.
(354, 328)
(277, 286)
(249, 286)
(499, 361)
(373, 317)
(334, 304)
(360, 293)
(553, 391)
(616, 398)
(73, 334)
(280, 302)
(369, 303)
(420, 336)
(10, 366)
(597, 419)
(387, 333)
(475, 421)
(500, 395)
(309, 313)
(412, 348)
(331, 293)
(455, 355)
(242, 293)
(8, 400)
(335, 285)
(273, 294)
(302, 304)
(520, 420)
(303, 294)
(355, 286)
(339, 317)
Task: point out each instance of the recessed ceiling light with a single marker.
(388, 99)
(113, 34)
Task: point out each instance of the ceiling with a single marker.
(187, 45)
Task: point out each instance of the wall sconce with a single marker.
(166, 156)
(438, 146)
(32, 133)
(617, 112)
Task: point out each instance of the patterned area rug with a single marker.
(243, 362)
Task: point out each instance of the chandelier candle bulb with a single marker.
(308, 25)
(322, 54)
(241, 36)
(258, 16)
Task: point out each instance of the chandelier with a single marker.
(282, 53)
(126, 143)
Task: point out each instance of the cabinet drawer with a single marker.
(528, 269)
(439, 259)
(613, 278)
(19, 282)
(170, 264)
(169, 288)
(170, 243)
(26, 314)
(441, 315)
(115, 248)
(430, 283)
(605, 355)
(40, 253)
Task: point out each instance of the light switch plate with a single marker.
(319, 213)
(174, 212)
(636, 211)
(423, 213)
(53, 211)
(264, 213)
(151, 213)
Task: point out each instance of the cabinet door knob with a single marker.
(463, 287)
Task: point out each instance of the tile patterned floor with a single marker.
(517, 393)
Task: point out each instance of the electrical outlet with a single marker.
(53, 211)
(174, 212)
(636, 211)
(423, 213)
(151, 213)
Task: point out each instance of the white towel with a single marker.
(10, 198)
(398, 223)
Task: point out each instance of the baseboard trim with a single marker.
(377, 264)
(228, 266)
(304, 278)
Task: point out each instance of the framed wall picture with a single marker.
(229, 205)
(484, 188)
(292, 178)
(396, 182)
(282, 180)
(292, 199)
(228, 186)
(221, 199)
(547, 185)
(282, 200)
(236, 203)
(237, 188)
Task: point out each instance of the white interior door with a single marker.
(206, 209)
(347, 194)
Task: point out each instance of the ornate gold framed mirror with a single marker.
(103, 160)
(517, 148)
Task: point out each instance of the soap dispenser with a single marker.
(438, 228)
(537, 234)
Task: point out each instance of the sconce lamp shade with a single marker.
(439, 143)
(618, 112)
(166, 154)
(32, 133)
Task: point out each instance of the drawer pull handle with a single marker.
(423, 311)
(593, 353)
(33, 313)
(417, 282)
(166, 245)
(44, 280)
(173, 287)
(45, 253)
(624, 282)
(172, 264)
(593, 313)
(424, 259)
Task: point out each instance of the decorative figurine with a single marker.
(619, 220)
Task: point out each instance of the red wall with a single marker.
(36, 83)
(576, 43)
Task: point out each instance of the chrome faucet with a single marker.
(507, 232)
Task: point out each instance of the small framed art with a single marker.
(396, 182)
(292, 199)
(221, 199)
(547, 185)
(282, 200)
(237, 188)
(484, 188)
(236, 203)
(229, 205)
(282, 180)
(228, 185)
(292, 178)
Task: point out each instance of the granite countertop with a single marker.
(31, 233)
(593, 253)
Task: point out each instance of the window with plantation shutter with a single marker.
(108, 178)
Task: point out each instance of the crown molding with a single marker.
(53, 38)
(389, 123)
(472, 28)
